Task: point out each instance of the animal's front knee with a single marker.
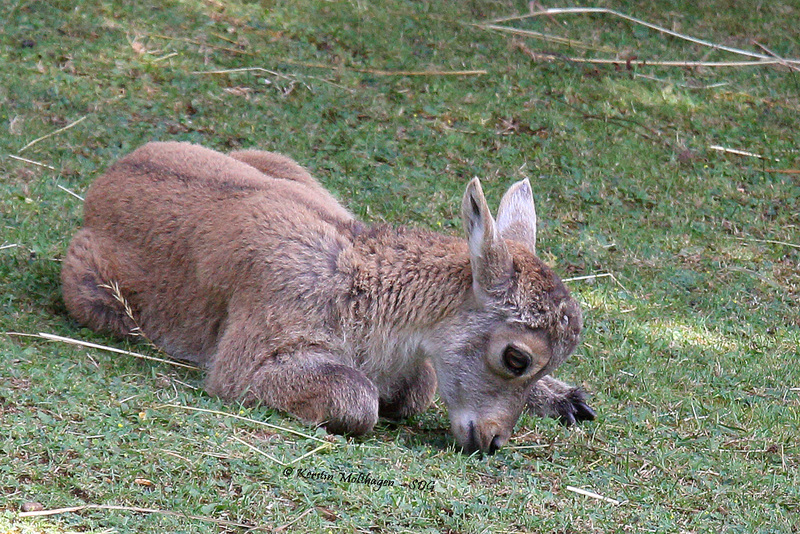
(352, 403)
(339, 398)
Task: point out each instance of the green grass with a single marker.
(690, 351)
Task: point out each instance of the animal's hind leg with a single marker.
(275, 165)
(88, 282)
(278, 166)
(308, 383)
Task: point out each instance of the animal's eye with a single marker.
(516, 361)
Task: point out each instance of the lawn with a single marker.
(668, 197)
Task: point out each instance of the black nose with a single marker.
(494, 445)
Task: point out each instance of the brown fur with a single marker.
(245, 264)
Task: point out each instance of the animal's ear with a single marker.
(491, 262)
(516, 217)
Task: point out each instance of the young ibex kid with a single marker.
(244, 264)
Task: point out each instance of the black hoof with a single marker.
(574, 409)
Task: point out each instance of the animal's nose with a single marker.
(496, 443)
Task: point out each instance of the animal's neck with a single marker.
(410, 279)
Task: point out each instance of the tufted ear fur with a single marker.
(516, 217)
(491, 262)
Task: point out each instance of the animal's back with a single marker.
(182, 231)
(188, 185)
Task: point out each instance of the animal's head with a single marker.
(519, 324)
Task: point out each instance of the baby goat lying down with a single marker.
(244, 264)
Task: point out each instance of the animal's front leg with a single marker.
(412, 395)
(309, 384)
(553, 398)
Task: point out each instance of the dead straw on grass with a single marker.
(783, 171)
(74, 194)
(198, 43)
(51, 134)
(72, 509)
(379, 72)
(680, 84)
(71, 341)
(768, 241)
(593, 277)
(593, 495)
(30, 161)
(776, 56)
(295, 520)
(737, 152)
(259, 451)
(246, 419)
(630, 63)
(546, 37)
(758, 59)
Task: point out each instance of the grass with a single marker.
(690, 350)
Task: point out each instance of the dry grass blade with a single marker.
(199, 43)
(51, 134)
(259, 451)
(593, 495)
(770, 241)
(277, 74)
(661, 29)
(771, 59)
(293, 521)
(680, 84)
(541, 56)
(588, 277)
(116, 293)
(776, 56)
(783, 171)
(26, 160)
(295, 79)
(595, 277)
(325, 445)
(292, 79)
(247, 419)
(379, 72)
(136, 331)
(58, 511)
(527, 447)
(242, 69)
(53, 337)
(76, 195)
(163, 58)
(737, 152)
(545, 37)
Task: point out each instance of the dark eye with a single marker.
(516, 361)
